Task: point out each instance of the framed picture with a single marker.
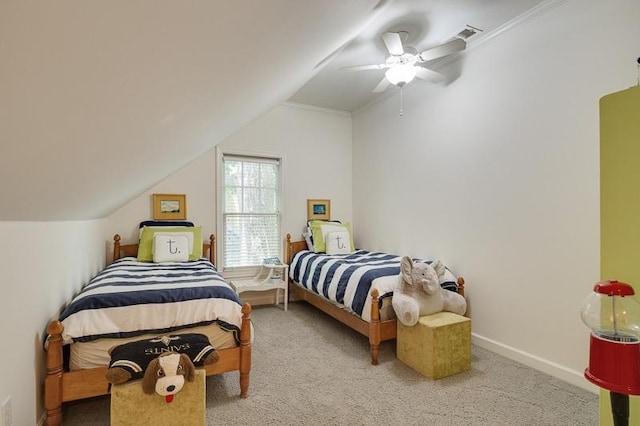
(318, 209)
(169, 207)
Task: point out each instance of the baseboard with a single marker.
(565, 374)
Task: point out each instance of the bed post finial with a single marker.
(287, 249)
(212, 249)
(116, 247)
(460, 282)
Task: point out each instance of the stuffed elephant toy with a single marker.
(419, 292)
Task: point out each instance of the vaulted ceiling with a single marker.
(101, 100)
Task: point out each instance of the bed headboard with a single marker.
(123, 250)
(292, 247)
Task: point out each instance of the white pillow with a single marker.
(338, 242)
(188, 235)
(170, 248)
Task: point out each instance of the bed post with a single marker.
(287, 249)
(212, 249)
(53, 378)
(460, 282)
(245, 350)
(116, 247)
(374, 327)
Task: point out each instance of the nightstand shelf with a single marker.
(270, 277)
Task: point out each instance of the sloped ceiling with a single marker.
(101, 100)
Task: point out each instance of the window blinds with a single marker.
(251, 216)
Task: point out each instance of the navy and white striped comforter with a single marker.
(347, 280)
(130, 298)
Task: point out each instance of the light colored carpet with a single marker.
(309, 369)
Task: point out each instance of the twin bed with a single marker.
(353, 288)
(163, 298)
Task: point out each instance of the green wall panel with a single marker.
(620, 204)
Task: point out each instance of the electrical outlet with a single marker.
(6, 412)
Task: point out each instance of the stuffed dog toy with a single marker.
(167, 374)
(420, 293)
(130, 360)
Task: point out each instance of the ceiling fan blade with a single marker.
(364, 67)
(393, 43)
(429, 75)
(448, 48)
(384, 83)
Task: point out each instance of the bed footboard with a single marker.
(63, 386)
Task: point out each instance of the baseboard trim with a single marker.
(558, 371)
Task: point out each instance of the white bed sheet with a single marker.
(95, 353)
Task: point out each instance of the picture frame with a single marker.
(318, 209)
(169, 207)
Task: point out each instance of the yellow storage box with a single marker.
(131, 406)
(439, 345)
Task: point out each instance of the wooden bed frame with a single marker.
(377, 330)
(62, 385)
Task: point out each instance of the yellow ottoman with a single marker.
(130, 406)
(439, 345)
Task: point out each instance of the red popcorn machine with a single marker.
(613, 316)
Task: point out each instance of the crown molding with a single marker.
(517, 22)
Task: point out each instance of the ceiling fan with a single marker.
(404, 62)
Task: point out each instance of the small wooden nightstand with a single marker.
(270, 277)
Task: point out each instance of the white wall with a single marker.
(316, 148)
(196, 180)
(497, 174)
(43, 267)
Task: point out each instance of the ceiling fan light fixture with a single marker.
(400, 74)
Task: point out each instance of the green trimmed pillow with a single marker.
(145, 246)
(320, 229)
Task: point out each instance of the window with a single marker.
(251, 210)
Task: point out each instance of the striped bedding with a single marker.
(347, 280)
(130, 298)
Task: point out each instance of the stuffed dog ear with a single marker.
(150, 377)
(188, 368)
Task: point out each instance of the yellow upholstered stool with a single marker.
(130, 406)
(439, 345)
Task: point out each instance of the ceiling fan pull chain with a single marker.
(401, 102)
